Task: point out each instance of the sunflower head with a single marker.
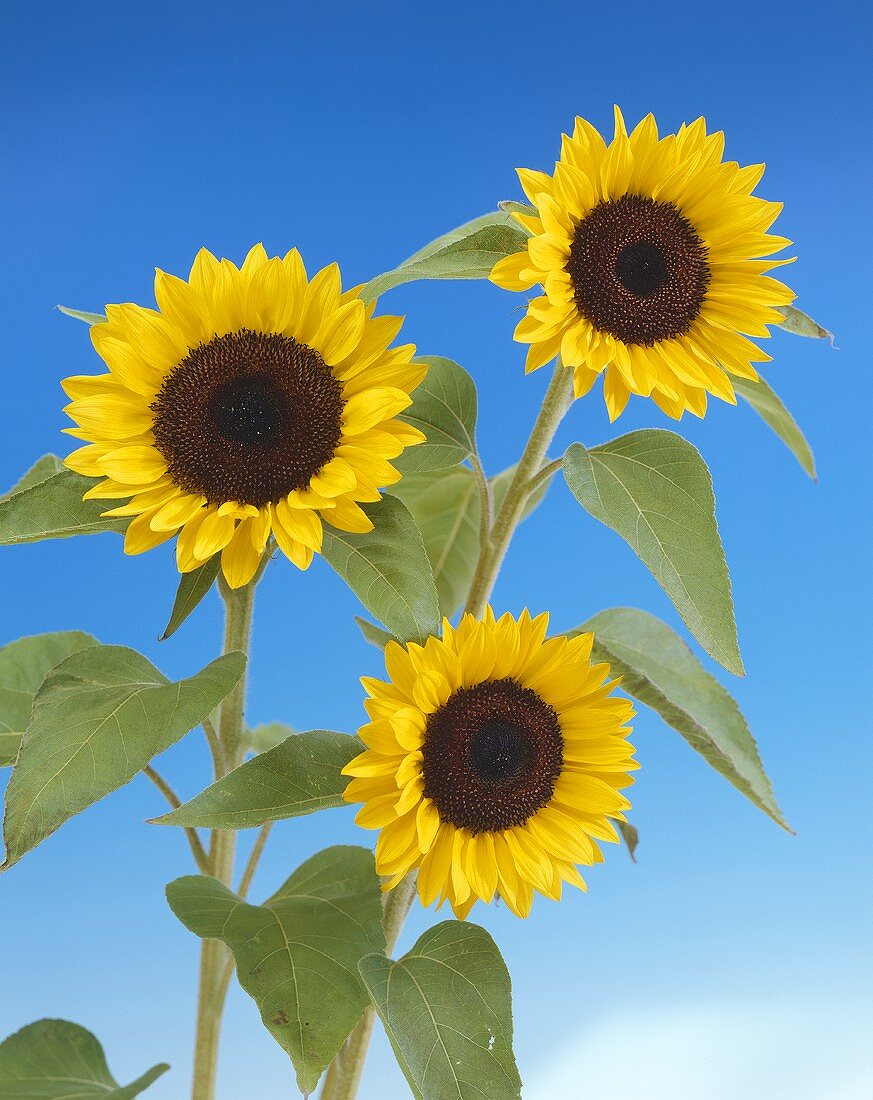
(253, 402)
(494, 762)
(649, 254)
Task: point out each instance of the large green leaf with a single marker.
(468, 252)
(57, 1060)
(98, 719)
(41, 470)
(53, 509)
(298, 776)
(771, 410)
(446, 1007)
(446, 508)
(801, 324)
(268, 735)
(9, 745)
(192, 588)
(660, 670)
(444, 409)
(655, 490)
(81, 315)
(23, 665)
(388, 570)
(297, 954)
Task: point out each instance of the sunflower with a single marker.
(648, 250)
(494, 762)
(254, 402)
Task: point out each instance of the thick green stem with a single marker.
(214, 955)
(491, 554)
(344, 1075)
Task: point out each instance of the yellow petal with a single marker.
(139, 536)
(214, 534)
(240, 559)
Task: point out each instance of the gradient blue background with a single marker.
(733, 962)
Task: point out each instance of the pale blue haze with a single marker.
(733, 962)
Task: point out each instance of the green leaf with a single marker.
(23, 666)
(468, 252)
(193, 587)
(771, 410)
(446, 508)
(41, 470)
(297, 777)
(655, 490)
(297, 954)
(630, 836)
(659, 670)
(54, 509)
(80, 315)
(57, 1060)
(444, 409)
(801, 324)
(446, 1007)
(375, 635)
(388, 570)
(9, 746)
(268, 735)
(98, 719)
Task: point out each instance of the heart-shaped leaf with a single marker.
(297, 954)
(53, 508)
(659, 669)
(23, 666)
(57, 1060)
(468, 252)
(655, 490)
(446, 508)
(268, 735)
(98, 719)
(388, 570)
(298, 776)
(444, 408)
(446, 1007)
(771, 410)
(41, 470)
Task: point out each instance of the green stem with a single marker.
(197, 849)
(486, 500)
(345, 1072)
(546, 474)
(555, 404)
(214, 954)
(242, 890)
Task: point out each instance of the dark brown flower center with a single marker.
(639, 270)
(249, 416)
(491, 755)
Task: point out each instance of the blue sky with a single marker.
(137, 133)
